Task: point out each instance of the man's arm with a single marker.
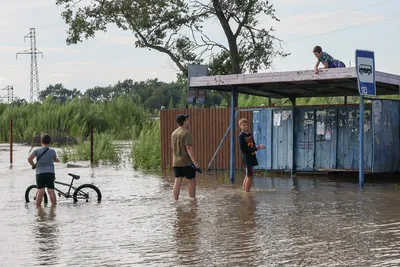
(190, 151)
(189, 148)
(30, 159)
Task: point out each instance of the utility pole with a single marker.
(35, 89)
(10, 93)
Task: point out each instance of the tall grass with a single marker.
(146, 150)
(122, 117)
(105, 151)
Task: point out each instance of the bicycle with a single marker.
(79, 192)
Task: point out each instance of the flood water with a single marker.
(283, 222)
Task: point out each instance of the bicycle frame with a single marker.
(65, 194)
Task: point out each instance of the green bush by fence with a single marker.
(146, 150)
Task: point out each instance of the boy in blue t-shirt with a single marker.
(45, 174)
(327, 60)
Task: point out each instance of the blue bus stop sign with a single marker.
(365, 68)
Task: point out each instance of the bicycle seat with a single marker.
(76, 177)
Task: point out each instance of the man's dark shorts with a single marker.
(186, 171)
(45, 180)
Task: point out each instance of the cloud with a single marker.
(13, 5)
(117, 39)
(79, 63)
(61, 50)
(17, 49)
(12, 49)
(303, 2)
(314, 24)
(59, 75)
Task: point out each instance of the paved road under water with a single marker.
(283, 222)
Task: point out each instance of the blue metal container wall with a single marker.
(282, 134)
(348, 138)
(396, 135)
(386, 135)
(326, 138)
(305, 139)
(260, 137)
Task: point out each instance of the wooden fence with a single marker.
(208, 126)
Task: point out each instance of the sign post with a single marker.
(365, 69)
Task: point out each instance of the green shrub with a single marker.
(104, 150)
(121, 116)
(146, 150)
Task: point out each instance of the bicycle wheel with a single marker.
(88, 192)
(30, 194)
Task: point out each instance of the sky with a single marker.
(339, 28)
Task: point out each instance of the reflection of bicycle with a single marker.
(364, 68)
(86, 191)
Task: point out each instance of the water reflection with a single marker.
(46, 232)
(186, 233)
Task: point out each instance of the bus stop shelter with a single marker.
(340, 82)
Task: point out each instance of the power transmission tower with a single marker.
(35, 89)
(10, 93)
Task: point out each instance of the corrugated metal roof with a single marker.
(329, 82)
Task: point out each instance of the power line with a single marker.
(336, 15)
(394, 16)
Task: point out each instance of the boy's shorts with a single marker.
(339, 64)
(186, 171)
(45, 180)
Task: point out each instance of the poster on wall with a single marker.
(320, 128)
(191, 96)
(277, 119)
(201, 97)
(196, 96)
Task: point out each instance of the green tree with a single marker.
(59, 93)
(99, 94)
(177, 28)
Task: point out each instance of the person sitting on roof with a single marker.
(327, 60)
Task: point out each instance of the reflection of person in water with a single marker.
(237, 231)
(187, 230)
(46, 231)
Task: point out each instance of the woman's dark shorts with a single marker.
(45, 180)
(186, 171)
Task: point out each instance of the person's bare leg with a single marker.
(248, 183)
(39, 197)
(52, 196)
(192, 188)
(244, 183)
(177, 187)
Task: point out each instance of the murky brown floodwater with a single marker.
(305, 222)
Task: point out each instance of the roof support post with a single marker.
(232, 144)
(294, 145)
(361, 135)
